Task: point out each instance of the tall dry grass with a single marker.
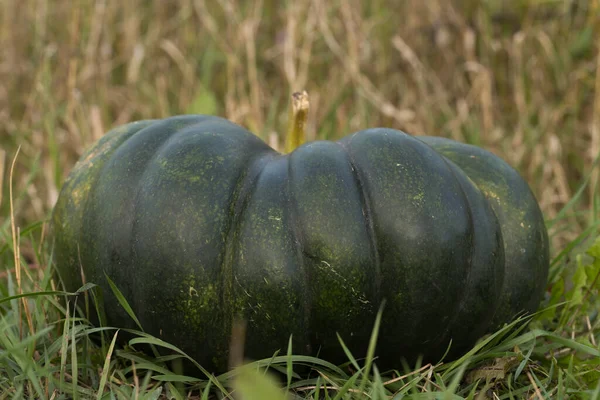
(521, 78)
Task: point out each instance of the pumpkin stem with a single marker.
(296, 134)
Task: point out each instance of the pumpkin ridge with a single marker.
(109, 143)
(92, 212)
(120, 139)
(520, 220)
(242, 194)
(298, 234)
(468, 277)
(176, 133)
(368, 214)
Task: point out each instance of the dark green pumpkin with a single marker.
(198, 222)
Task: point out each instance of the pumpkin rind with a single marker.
(198, 221)
(525, 236)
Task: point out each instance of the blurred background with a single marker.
(520, 78)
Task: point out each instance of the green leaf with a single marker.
(153, 341)
(347, 352)
(297, 359)
(289, 366)
(123, 301)
(154, 394)
(22, 233)
(174, 392)
(47, 293)
(63, 349)
(86, 286)
(596, 393)
(575, 295)
(176, 378)
(349, 384)
(556, 295)
(106, 367)
(371, 348)
(594, 250)
(204, 103)
(74, 363)
(592, 351)
(318, 388)
(583, 42)
(378, 387)
(251, 384)
(206, 391)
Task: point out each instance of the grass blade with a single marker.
(371, 349)
(347, 352)
(123, 301)
(206, 392)
(176, 378)
(63, 349)
(289, 364)
(74, 366)
(106, 368)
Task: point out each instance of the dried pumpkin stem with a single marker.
(296, 134)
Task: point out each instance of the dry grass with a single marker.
(518, 77)
(521, 78)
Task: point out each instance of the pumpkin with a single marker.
(198, 222)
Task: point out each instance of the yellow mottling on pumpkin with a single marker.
(80, 193)
(492, 195)
(419, 196)
(100, 148)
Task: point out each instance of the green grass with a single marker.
(520, 78)
(45, 352)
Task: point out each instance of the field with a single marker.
(519, 78)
